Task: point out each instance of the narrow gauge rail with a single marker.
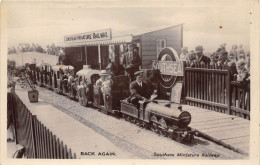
(167, 121)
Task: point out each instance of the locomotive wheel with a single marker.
(154, 128)
(179, 139)
(145, 125)
(170, 135)
(138, 122)
(189, 139)
(123, 116)
(163, 132)
(127, 118)
(133, 120)
(104, 111)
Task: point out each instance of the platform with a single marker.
(71, 131)
(228, 130)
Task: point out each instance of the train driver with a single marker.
(138, 89)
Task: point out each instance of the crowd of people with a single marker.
(236, 61)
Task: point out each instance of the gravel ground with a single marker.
(127, 136)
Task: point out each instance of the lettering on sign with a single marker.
(89, 36)
(176, 92)
(173, 68)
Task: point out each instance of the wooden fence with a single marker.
(38, 141)
(210, 87)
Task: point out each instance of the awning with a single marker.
(115, 40)
(42, 66)
(63, 67)
(87, 73)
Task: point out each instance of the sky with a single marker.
(207, 23)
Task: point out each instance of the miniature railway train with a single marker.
(154, 115)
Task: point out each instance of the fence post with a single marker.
(184, 84)
(228, 91)
(33, 124)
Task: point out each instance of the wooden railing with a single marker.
(240, 100)
(38, 141)
(210, 87)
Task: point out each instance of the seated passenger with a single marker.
(70, 80)
(81, 90)
(102, 78)
(106, 85)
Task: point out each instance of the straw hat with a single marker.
(138, 73)
(103, 73)
(240, 62)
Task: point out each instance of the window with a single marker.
(160, 44)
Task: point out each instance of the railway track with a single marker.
(133, 138)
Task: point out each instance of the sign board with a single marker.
(176, 92)
(173, 68)
(100, 35)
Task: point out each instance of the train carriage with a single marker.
(43, 74)
(58, 84)
(109, 100)
(85, 91)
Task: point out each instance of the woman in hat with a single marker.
(243, 74)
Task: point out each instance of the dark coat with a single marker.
(140, 90)
(231, 66)
(204, 59)
(132, 64)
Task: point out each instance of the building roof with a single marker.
(141, 31)
(122, 37)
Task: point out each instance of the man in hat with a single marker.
(202, 59)
(224, 62)
(131, 62)
(138, 89)
(102, 78)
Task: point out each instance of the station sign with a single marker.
(100, 35)
(173, 68)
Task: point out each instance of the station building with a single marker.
(97, 48)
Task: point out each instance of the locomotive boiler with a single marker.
(166, 121)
